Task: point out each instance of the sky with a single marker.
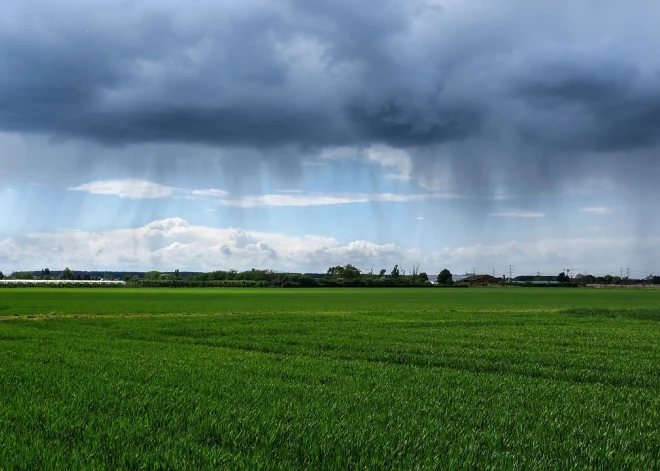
(294, 135)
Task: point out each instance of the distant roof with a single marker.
(535, 278)
(61, 282)
(459, 277)
(482, 278)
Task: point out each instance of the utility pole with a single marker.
(474, 270)
(621, 272)
(510, 271)
(627, 273)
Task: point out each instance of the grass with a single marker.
(106, 301)
(329, 379)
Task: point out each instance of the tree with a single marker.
(152, 275)
(395, 272)
(562, 278)
(423, 277)
(382, 273)
(334, 272)
(588, 279)
(444, 278)
(348, 272)
(177, 275)
(45, 274)
(351, 272)
(2, 277)
(67, 274)
(22, 275)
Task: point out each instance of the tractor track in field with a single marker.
(39, 317)
(10, 317)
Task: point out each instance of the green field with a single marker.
(329, 379)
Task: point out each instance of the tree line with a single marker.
(606, 280)
(347, 276)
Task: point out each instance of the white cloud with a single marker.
(397, 159)
(420, 218)
(324, 199)
(519, 213)
(597, 255)
(144, 189)
(502, 195)
(128, 188)
(213, 192)
(133, 188)
(599, 210)
(174, 243)
(9, 189)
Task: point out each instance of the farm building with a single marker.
(536, 280)
(61, 282)
(481, 279)
(457, 278)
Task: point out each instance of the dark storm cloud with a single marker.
(612, 105)
(484, 93)
(223, 76)
(399, 125)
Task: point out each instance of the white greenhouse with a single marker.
(61, 282)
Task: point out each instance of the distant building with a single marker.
(457, 278)
(536, 280)
(481, 279)
(61, 282)
(469, 278)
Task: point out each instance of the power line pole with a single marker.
(627, 272)
(510, 271)
(621, 272)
